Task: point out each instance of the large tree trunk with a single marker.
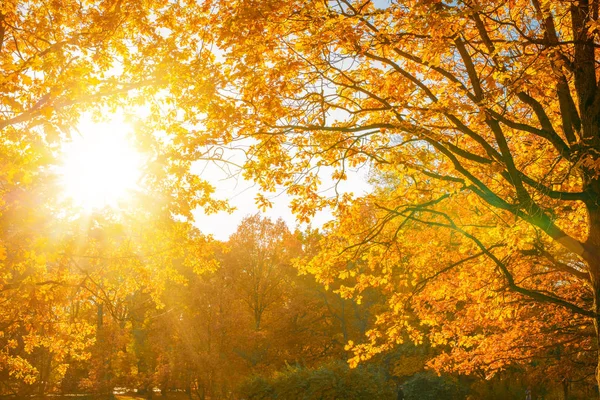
(595, 277)
(595, 274)
(592, 255)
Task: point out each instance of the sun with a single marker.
(101, 167)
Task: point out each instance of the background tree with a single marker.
(260, 258)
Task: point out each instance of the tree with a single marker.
(62, 275)
(71, 293)
(486, 112)
(61, 59)
(260, 261)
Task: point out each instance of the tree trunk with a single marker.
(565, 385)
(99, 316)
(592, 255)
(258, 311)
(343, 319)
(595, 275)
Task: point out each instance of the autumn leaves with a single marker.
(478, 123)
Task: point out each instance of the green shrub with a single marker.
(428, 386)
(329, 382)
(257, 388)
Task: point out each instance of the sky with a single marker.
(241, 194)
(90, 183)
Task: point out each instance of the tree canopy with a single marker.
(479, 123)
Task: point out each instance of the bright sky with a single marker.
(100, 167)
(241, 194)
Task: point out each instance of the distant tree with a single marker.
(260, 260)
